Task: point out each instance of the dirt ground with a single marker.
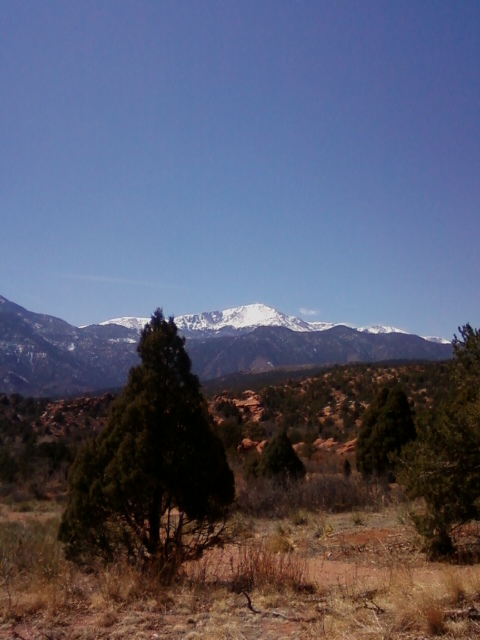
(359, 575)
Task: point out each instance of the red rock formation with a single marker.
(247, 445)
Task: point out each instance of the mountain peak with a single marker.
(246, 318)
(44, 355)
(130, 322)
(377, 328)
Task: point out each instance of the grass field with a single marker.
(312, 574)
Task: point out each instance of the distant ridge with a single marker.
(41, 355)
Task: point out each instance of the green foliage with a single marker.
(442, 465)
(8, 466)
(467, 362)
(255, 431)
(228, 409)
(280, 461)
(347, 468)
(155, 482)
(55, 453)
(386, 427)
(230, 433)
(345, 390)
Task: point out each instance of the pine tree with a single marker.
(280, 461)
(155, 484)
(442, 466)
(386, 427)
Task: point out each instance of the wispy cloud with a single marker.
(308, 312)
(101, 279)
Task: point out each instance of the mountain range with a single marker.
(244, 319)
(41, 355)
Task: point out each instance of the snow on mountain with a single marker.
(377, 328)
(246, 318)
(381, 329)
(323, 326)
(128, 322)
(437, 339)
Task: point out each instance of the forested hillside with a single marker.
(38, 437)
(331, 402)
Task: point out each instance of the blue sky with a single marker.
(199, 155)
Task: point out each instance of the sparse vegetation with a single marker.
(315, 579)
(330, 554)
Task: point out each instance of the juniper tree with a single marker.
(280, 461)
(387, 426)
(442, 465)
(155, 484)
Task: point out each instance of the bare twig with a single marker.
(249, 603)
(275, 614)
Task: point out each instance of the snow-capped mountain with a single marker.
(44, 355)
(229, 322)
(238, 320)
(246, 318)
(377, 328)
(437, 339)
(130, 322)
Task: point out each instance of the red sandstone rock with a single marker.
(247, 445)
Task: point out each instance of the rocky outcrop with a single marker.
(82, 414)
(247, 445)
(331, 445)
(250, 406)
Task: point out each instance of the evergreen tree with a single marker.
(442, 465)
(386, 427)
(466, 369)
(280, 461)
(155, 483)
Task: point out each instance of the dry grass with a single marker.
(309, 576)
(320, 491)
(261, 565)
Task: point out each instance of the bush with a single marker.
(280, 461)
(267, 498)
(230, 433)
(8, 466)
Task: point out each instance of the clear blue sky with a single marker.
(202, 154)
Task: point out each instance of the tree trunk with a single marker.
(154, 517)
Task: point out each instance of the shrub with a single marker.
(230, 433)
(280, 461)
(8, 466)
